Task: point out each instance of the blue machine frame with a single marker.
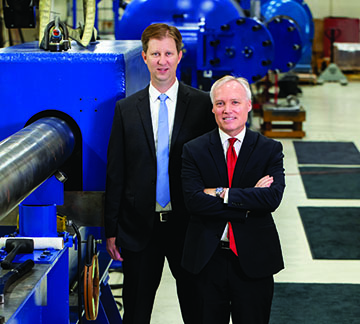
(83, 84)
(81, 87)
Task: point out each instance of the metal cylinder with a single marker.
(31, 156)
(37, 221)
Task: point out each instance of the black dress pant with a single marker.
(226, 291)
(142, 274)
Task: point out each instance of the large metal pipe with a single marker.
(31, 156)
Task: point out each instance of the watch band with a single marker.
(219, 191)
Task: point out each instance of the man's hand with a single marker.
(264, 182)
(210, 191)
(112, 249)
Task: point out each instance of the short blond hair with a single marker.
(226, 79)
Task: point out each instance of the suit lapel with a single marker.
(247, 148)
(182, 105)
(217, 153)
(143, 107)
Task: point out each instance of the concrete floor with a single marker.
(332, 114)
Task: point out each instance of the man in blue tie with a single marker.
(145, 214)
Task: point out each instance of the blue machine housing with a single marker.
(80, 86)
(201, 20)
(187, 16)
(299, 12)
(289, 49)
(243, 47)
(139, 14)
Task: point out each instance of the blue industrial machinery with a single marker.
(243, 46)
(227, 37)
(299, 13)
(57, 114)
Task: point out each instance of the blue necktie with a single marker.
(162, 182)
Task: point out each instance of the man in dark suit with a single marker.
(145, 229)
(233, 178)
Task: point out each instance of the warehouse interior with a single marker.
(305, 95)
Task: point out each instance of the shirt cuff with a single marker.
(226, 197)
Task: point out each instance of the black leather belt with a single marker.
(224, 245)
(164, 216)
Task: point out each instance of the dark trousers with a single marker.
(225, 290)
(142, 275)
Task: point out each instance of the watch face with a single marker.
(219, 191)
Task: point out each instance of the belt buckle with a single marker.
(163, 217)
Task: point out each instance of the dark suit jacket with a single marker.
(131, 170)
(249, 209)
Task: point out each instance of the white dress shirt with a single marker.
(154, 108)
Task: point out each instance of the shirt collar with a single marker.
(171, 92)
(224, 137)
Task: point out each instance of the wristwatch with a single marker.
(219, 191)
